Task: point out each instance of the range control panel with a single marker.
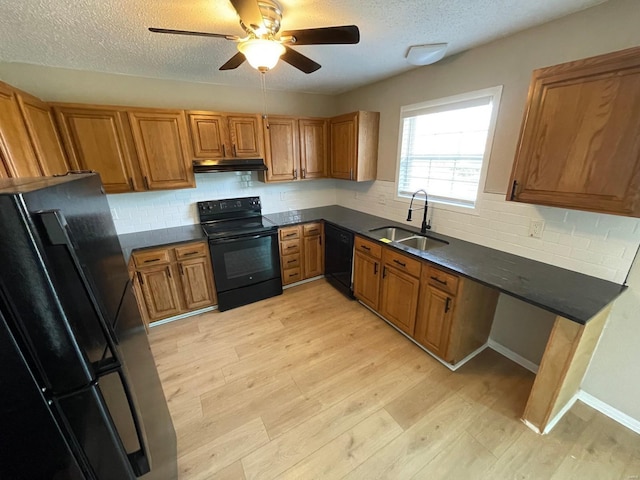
(229, 208)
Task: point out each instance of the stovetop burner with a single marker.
(234, 216)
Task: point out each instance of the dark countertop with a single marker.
(573, 295)
(160, 237)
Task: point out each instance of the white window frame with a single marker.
(495, 93)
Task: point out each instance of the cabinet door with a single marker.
(15, 145)
(197, 283)
(246, 135)
(94, 139)
(161, 141)
(313, 148)
(399, 298)
(313, 253)
(282, 157)
(209, 135)
(366, 280)
(47, 145)
(343, 131)
(433, 324)
(579, 145)
(160, 292)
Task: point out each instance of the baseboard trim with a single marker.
(513, 356)
(611, 412)
(448, 365)
(302, 282)
(183, 315)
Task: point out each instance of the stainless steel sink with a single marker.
(422, 243)
(394, 234)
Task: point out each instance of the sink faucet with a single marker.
(425, 226)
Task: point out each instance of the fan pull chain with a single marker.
(263, 84)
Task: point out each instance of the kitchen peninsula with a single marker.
(580, 302)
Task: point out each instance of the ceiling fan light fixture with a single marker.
(426, 54)
(262, 54)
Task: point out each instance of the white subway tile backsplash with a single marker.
(595, 244)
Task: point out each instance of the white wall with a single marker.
(135, 212)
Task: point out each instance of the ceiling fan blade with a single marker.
(249, 13)
(346, 34)
(234, 62)
(299, 61)
(194, 34)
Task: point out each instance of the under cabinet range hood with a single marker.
(229, 165)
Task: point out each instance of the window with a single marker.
(445, 146)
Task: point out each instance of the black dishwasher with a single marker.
(338, 257)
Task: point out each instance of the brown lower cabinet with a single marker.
(171, 281)
(301, 252)
(449, 315)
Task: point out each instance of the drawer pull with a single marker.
(140, 278)
(293, 275)
(402, 264)
(364, 247)
(292, 234)
(292, 261)
(151, 260)
(443, 282)
(190, 253)
(447, 305)
(384, 272)
(315, 230)
(291, 246)
(169, 271)
(375, 268)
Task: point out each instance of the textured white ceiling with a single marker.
(111, 36)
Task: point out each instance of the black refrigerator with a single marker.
(80, 396)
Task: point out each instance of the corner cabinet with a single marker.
(295, 148)
(16, 152)
(579, 145)
(353, 151)
(172, 281)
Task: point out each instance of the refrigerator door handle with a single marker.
(58, 232)
(140, 458)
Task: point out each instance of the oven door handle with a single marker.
(235, 239)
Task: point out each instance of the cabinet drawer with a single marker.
(370, 248)
(290, 261)
(147, 258)
(310, 229)
(403, 263)
(441, 279)
(291, 275)
(289, 247)
(192, 250)
(289, 233)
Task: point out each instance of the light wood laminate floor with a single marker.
(311, 385)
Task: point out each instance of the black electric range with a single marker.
(244, 250)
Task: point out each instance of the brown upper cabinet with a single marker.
(16, 151)
(579, 145)
(161, 142)
(354, 146)
(132, 149)
(99, 138)
(295, 148)
(225, 135)
(46, 143)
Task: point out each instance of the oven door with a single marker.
(245, 260)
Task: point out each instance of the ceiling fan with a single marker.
(264, 44)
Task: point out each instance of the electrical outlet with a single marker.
(382, 200)
(283, 196)
(535, 228)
